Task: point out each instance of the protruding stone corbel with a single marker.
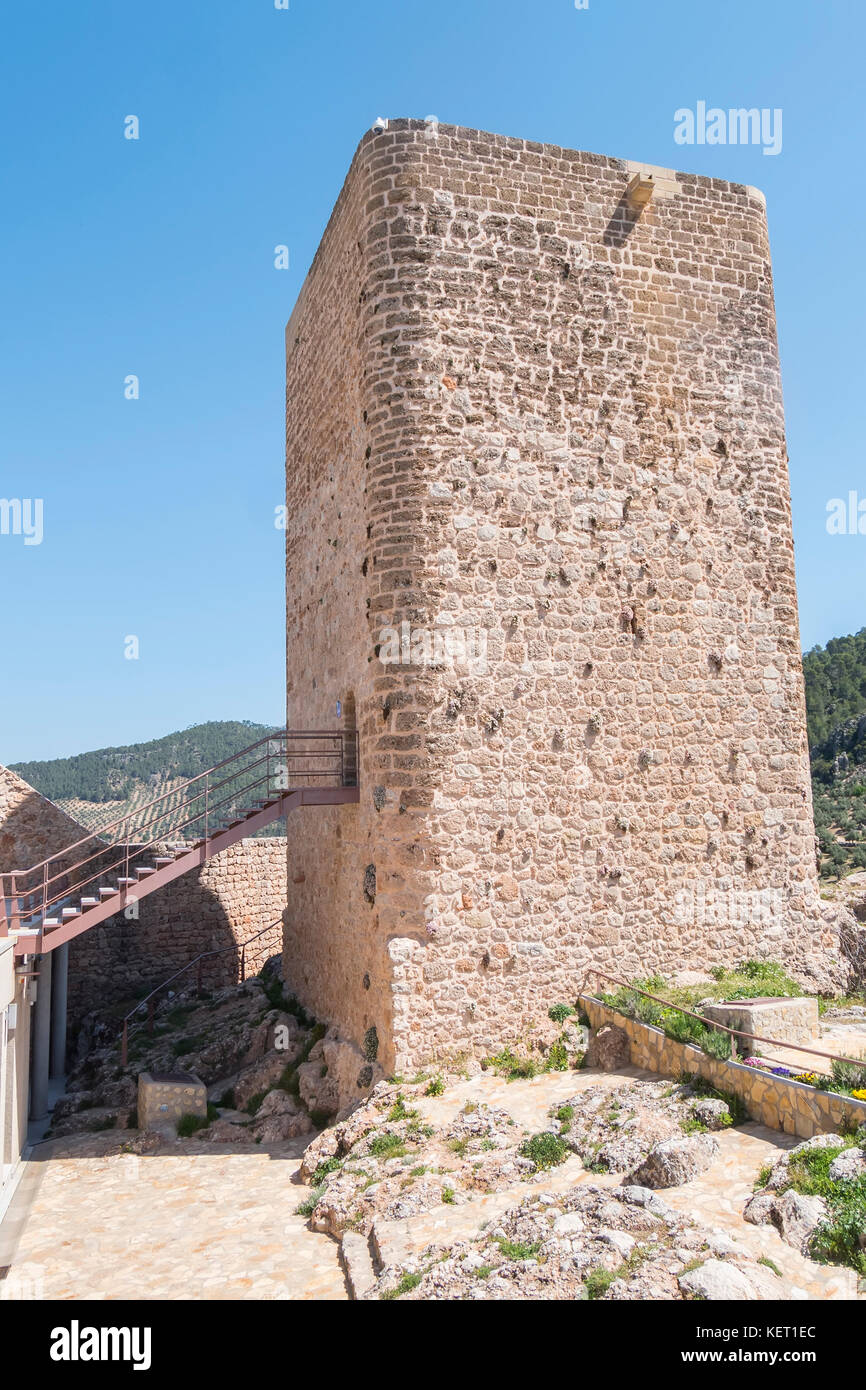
(639, 192)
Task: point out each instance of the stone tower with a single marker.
(539, 548)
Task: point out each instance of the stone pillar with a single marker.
(41, 1042)
(60, 973)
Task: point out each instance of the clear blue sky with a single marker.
(155, 257)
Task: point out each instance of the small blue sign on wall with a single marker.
(339, 709)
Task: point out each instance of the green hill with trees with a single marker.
(835, 678)
(101, 786)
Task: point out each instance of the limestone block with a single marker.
(788, 1020)
(164, 1097)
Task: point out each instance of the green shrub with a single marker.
(565, 1114)
(330, 1165)
(763, 1177)
(557, 1057)
(597, 1282)
(692, 1126)
(717, 1044)
(188, 1125)
(682, 1028)
(406, 1285)
(546, 1150)
(848, 1077)
(837, 1239)
(765, 977)
(809, 1171)
(516, 1250)
(308, 1206)
(435, 1087)
(558, 1013)
(399, 1111)
(386, 1145)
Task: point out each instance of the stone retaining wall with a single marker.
(224, 903)
(772, 1100)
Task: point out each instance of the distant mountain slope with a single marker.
(103, 785)
(835, 678)
(835, 684)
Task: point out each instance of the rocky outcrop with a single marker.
(795, 1216)
(676, 1161)
(609, 1048)
(615, 1130)
(712, 1113)
(723, 1281)
(587, 1242)
(336, 1076)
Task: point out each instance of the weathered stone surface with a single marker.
(280, 1117)
(617, 1130)
(848, 1166)
(720, 1280)
(609, 1048)
(788, 1020)
(759, 1209)
(712, 1113)
(337, 1076)
(522, 816)
(258, 1077)
(676, 1161)
(797, 1218)
(224, 1131)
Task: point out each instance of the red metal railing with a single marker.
(266, 771)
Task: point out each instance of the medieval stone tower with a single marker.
(539, 548)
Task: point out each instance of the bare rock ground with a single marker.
(446, 1188)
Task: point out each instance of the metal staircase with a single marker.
(56, 900)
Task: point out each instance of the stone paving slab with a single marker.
(189, 1223)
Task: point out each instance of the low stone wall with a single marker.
(772, 1100)
(223, 904)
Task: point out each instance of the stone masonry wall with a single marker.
(31, 826)
(517, 410)
(223, 904)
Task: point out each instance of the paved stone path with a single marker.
(195, 1222)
